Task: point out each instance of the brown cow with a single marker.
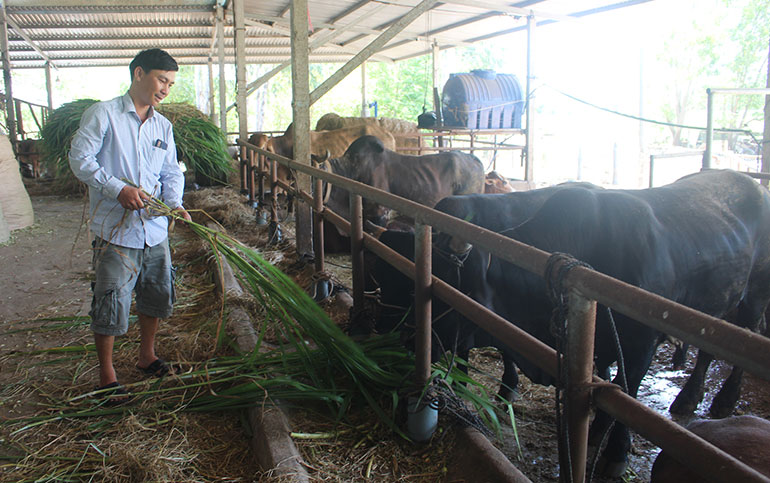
(424, 179)
(744, 437)
(333, 142)
(495, 183)
(28, 154)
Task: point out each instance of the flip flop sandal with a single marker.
(114, 394)
(158, 368)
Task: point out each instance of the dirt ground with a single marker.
(45, 272)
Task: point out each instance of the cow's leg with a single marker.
(679, 359)
(724, 402)
(751, 316)
(614, 459)
(509, 388)
(692, 392)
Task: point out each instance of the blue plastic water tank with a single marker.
(482, 99)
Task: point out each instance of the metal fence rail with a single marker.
(726, 341)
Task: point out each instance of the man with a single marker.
(120, 141)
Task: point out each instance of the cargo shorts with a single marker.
(121, 271)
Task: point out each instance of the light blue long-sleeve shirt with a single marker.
(112, 144)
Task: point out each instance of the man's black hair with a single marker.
(153, 59)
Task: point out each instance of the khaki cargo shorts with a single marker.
(121, 271)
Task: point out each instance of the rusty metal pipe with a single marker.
(423, 247)
(581, 324)
(318, 225)
(356, 251)
(273, 189)
(699, 455)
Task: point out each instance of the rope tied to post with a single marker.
(556, 269)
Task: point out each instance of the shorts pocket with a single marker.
(104, 308)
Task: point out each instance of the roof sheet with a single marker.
(76, 33)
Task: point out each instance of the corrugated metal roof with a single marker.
(75, 33)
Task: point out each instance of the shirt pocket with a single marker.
(155, 157)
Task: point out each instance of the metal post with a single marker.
(48, 88)
(222, 82)
(530, 127)
(364, 104)
(300, 82)
(273, 192)
(252, 169)
(357, 251)
(579, 359)
(709, 129)
(244, 170)
(212, 111)
(436, 72)
(318, 225)
(9, 104)
(422, 301)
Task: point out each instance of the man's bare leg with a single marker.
(104, 345)
(148, 327)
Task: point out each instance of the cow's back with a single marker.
(744, 437)
(337, 141)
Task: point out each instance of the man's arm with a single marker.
(86, 144)
(172, 178)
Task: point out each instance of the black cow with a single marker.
(703, 241)
(424, 179)
(496, 212)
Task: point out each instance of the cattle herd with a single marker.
(703, 241)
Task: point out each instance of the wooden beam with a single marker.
(300, 85)
(240, 70)
(222, 82)
(374, 46)
(9, 104)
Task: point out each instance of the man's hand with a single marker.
(132, 198)
(182, 212)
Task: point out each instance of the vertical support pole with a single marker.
(9, 104)
(709, 129)
(422, 301)
(652, 167)
(364, 104)
(581, 324)
(262, 173)
(436, 57)
(300, 82)
(244, 170)
(530, 110)
(273, 192)
(240, 70)
(212, 111)
(357, 251)
(19, 122)
(252, 177)
(48, 86)
(765, 161)
(318, 225)
(222, 82)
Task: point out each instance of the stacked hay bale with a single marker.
(200, 144)
(398, 127)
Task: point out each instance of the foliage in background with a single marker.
(56, 137)
(199, 142)
(724, 51)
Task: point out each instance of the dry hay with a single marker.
(225, 205)
(397, 127)
(146, 444)
(362, 448)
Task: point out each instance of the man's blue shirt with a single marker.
(113, 144)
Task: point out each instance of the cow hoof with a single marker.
(682, 406)
(509, 395)
(720, 409)
(614, 469)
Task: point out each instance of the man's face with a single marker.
(153, 86)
